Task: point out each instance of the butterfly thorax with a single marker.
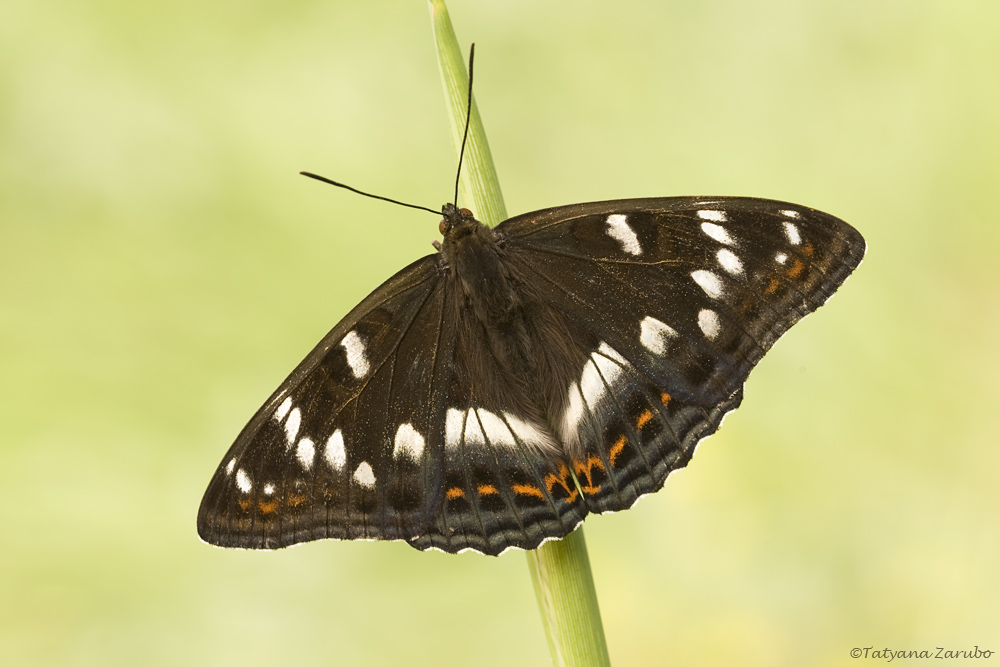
(471, 253)
(496, 307)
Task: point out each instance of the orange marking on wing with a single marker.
(267, 507)
(552, 479)
(617, 448)
(244, 504)
(454, 492)
(644, 419)
(665, 398)
(487, 490)
(527, 490)
(296, 500)
(795, 269)
(808, 250)
(586, 469)
(772, 286)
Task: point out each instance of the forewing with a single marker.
(349, 446)
(692, 291)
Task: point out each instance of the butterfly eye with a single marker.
(466, 213)
(443, 226)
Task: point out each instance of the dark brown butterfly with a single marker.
(494, 393)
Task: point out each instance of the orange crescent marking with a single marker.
(665, 399)
(617, 448)
(454, 492)
(244, 504)
(808, 250)
(644, 419)
(268, 507)
(295, 501)
(487, 490)
(588, 466)
(551, 480)
(772, 286)
(587, 470)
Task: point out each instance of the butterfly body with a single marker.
(493, 394)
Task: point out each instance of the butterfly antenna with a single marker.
(366, 194)
(468, 118)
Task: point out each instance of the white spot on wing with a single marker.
(292, 425)
(715, 216)
(243, 481)
(283, 409)
(530, 434)
(708, 322)
(229, 466)
(473, 432)
(792, 232)
(496, 430)
(730, 262)
(610, 352)
(269, 489)
(601, 371)
(781, 258)
(654, 335)
(619, 230)
(365, 476)
(573, 413)
(408, 442)
(305, 452)
(356, 359)
(709, 282)
(453, 424)
(791, 214)
(334, 452)
(717, 233)
(591, 383)
(608, 364)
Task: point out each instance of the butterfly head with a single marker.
(455, 218)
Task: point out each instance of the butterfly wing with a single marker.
(685, 296)
(348, 446)
(691, 290)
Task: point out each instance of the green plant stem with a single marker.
(564, 586)
(479, 176)
(560, 569)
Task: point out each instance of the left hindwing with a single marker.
(692, 291)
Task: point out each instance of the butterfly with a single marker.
(492, 394)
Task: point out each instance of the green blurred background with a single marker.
(163, 267)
